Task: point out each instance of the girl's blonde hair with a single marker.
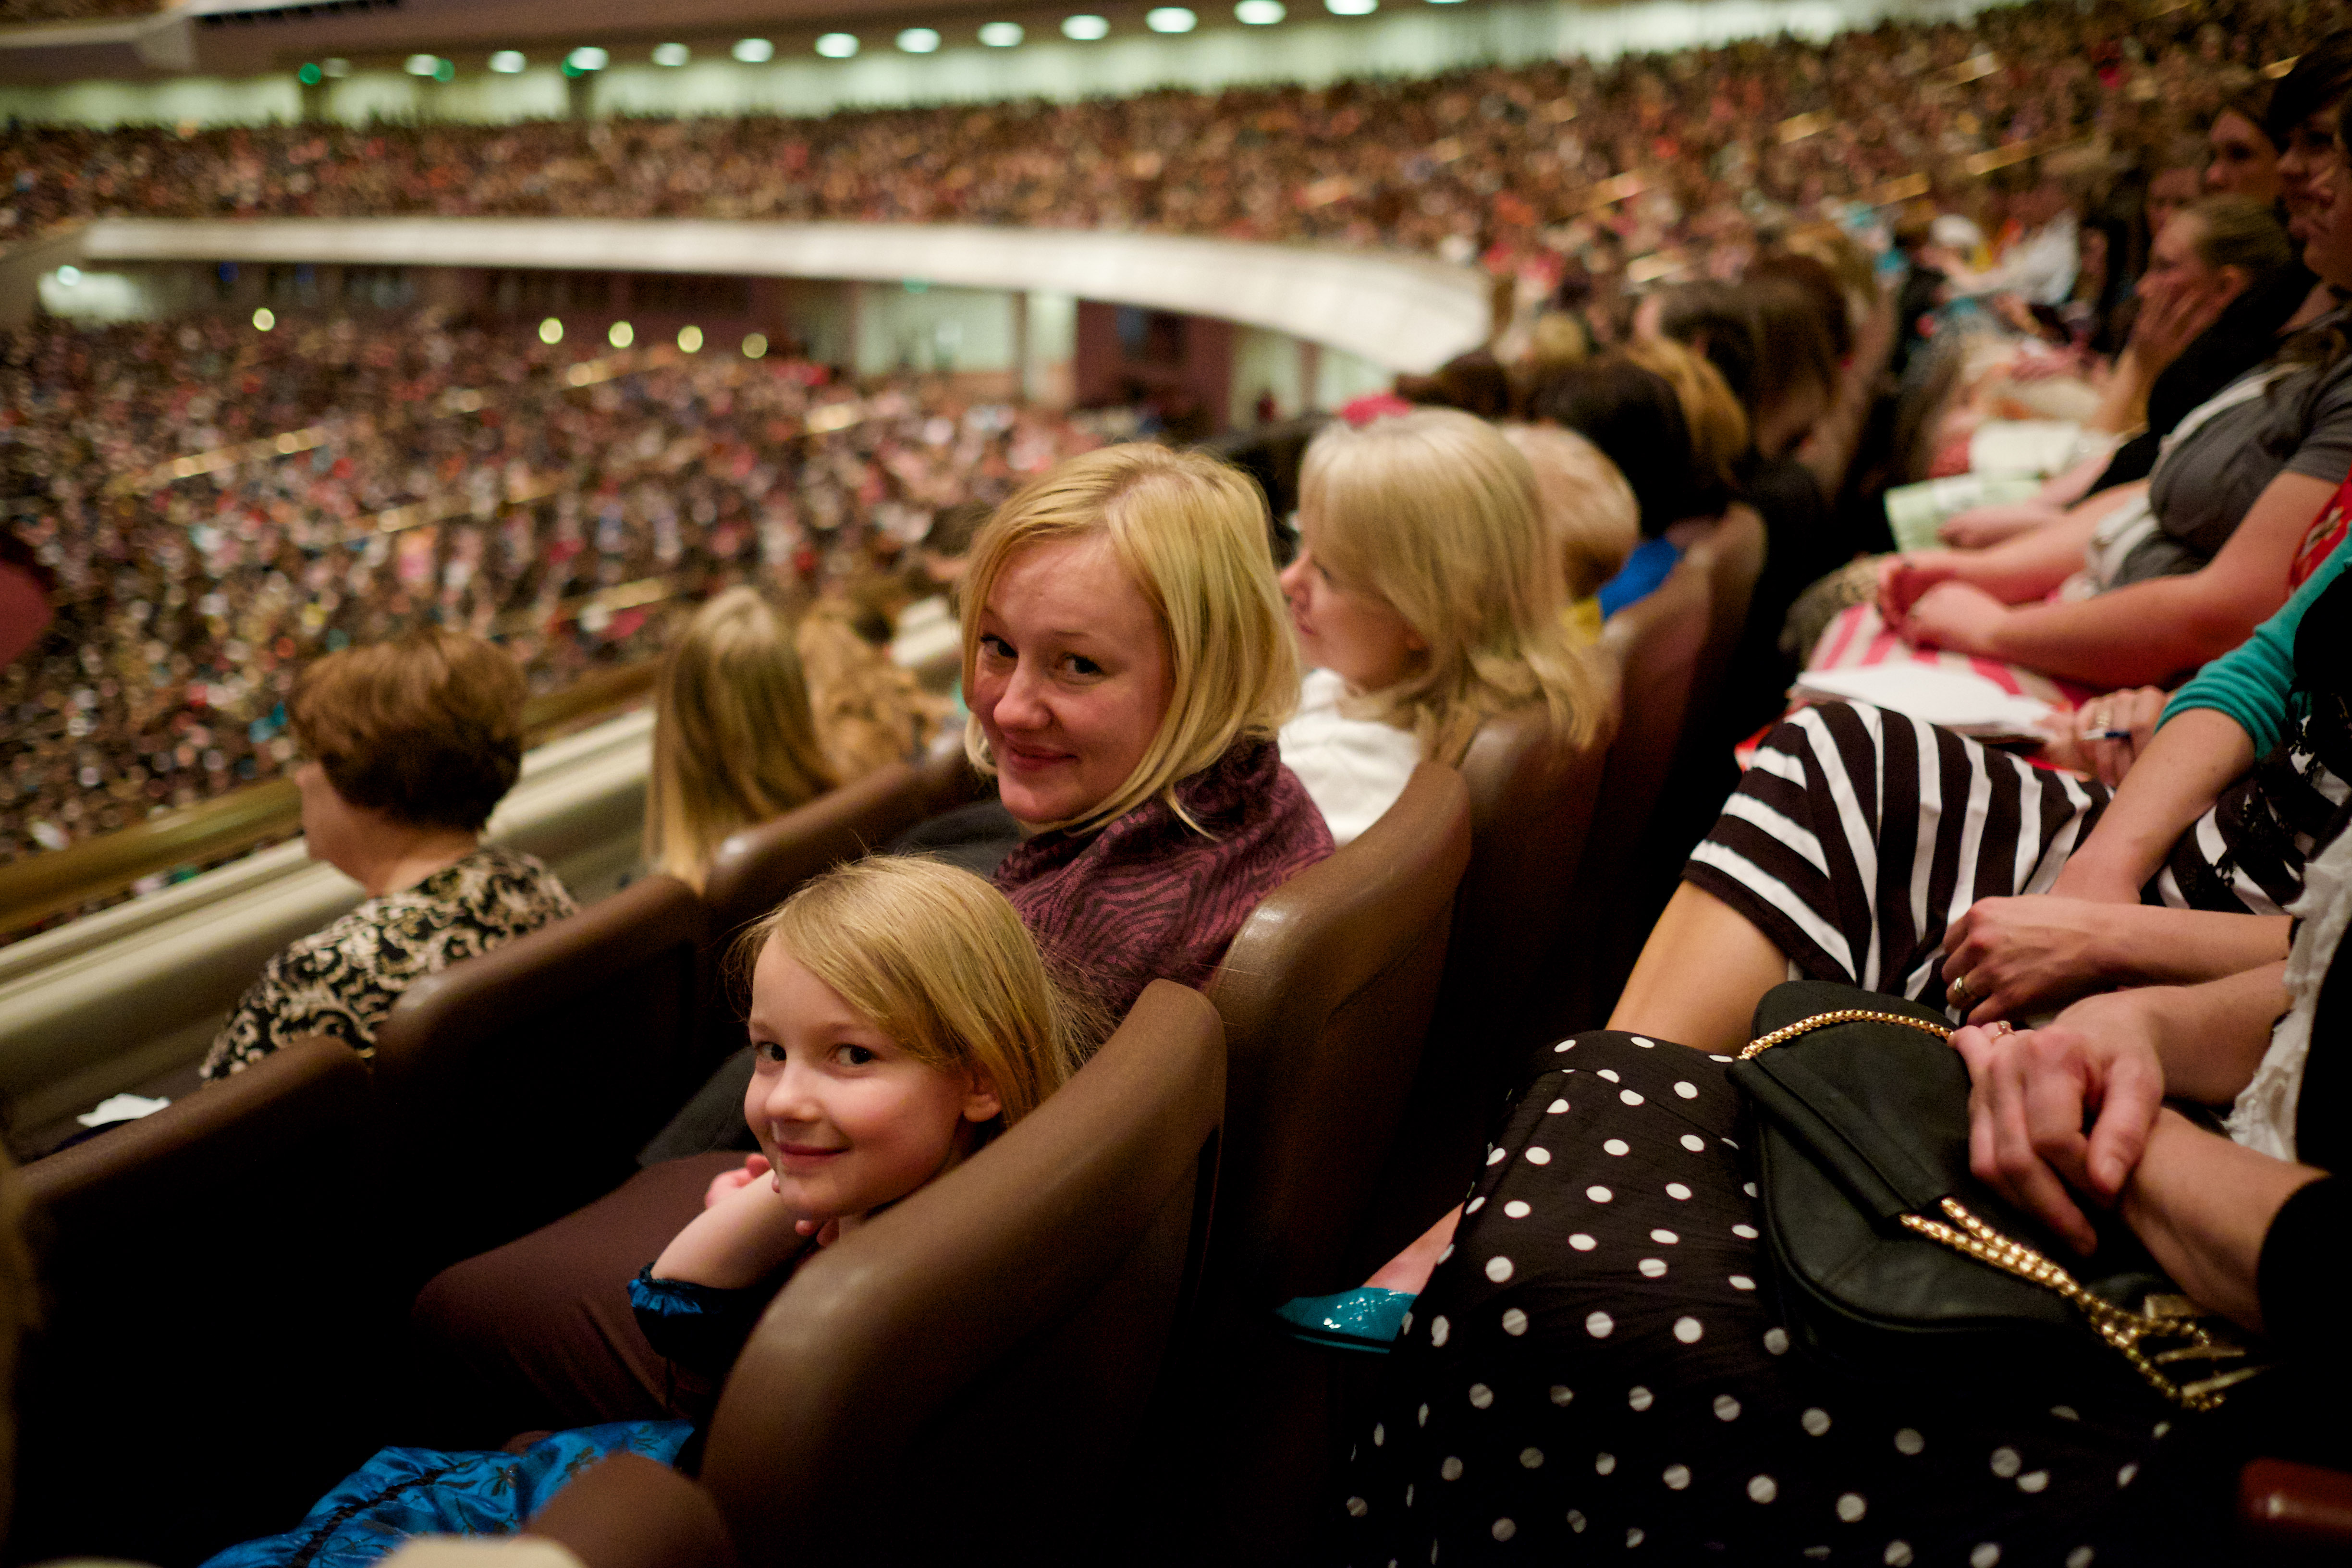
(937, 960)
(1718, 425)
(1191, 533)
(734, 742)
(1588, 508)
(1437, 513)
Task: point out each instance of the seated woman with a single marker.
(1427, 598)
(1599, 1361)
(1128, 667)
(903, 1018)
(411, 744)
(734, 742)
(1587, 510)
(1635, 417)
(2222, 283)
(2182, 570)
(1884, 852)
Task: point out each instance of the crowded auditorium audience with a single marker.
(574, 510)
(2088, 263)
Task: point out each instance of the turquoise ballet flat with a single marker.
(1368, 1319)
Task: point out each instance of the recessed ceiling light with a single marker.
(1171, 19)
(755, 345)
(920, 40)
(422, 65)
(508, 62)
(671, 54)
(265, 318)
(1002, 35)
(587, 57)
(68, 276)
(690, 339)
(551, 331)
(1086, 30)
(836, 46)
(758, 51)
(1259, 13)
(1351, 7)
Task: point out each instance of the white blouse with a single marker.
(1354, 769)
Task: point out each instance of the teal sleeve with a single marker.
(2250, 684)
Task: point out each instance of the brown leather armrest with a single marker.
(2284, 1504)
(628, 1511)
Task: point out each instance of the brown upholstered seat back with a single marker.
(1327, 994)
(756, 869)
(1656, 644)
(962, 1379)
(518, 1085)
(216, 1318)
(1532, 797)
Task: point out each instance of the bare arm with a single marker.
(743, 1237)
(2026, 954)
(2174, 781)
(2149, 631)
(2203, 1205)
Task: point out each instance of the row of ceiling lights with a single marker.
(1084, 28)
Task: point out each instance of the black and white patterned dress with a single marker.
(1596, 1373)
(342, 980)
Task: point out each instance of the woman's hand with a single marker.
(1955, 616)
(2106, 736)
(730, 1182)
(2031, 1091)
(1981, 527)
(2166, 326)
(1903, 578)
(2027, 954)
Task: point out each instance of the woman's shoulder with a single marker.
(495, 887)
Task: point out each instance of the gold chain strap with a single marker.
(2168, 1318)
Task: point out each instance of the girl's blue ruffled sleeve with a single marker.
(700, 1328)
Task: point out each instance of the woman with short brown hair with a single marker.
(410, 744)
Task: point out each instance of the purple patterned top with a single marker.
(1146, 898)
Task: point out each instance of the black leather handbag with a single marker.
(1889, 1256)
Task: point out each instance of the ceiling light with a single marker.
(1351, 7)
(690, 339)
(1084, 28)
(833, 47)
(755, 345)
(918, 40)
(759, 51)
(1171, 19)
(68, 276)
(1002, 35)
(621, 334)
(1259, 13)
(551, 331)
(671, 54)
(587, 57)
(508, 62)
(423, 65)
(264, 319)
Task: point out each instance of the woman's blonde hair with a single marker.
(1191, 533)
(936, 958)
(734, 741)
(1437, 514)
(1588, 508)
(1718, 425)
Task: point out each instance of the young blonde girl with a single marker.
(903, 1018)
(1427, 596)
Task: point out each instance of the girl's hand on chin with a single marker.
(729, 1182)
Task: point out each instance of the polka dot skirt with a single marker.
(1596, 1368)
